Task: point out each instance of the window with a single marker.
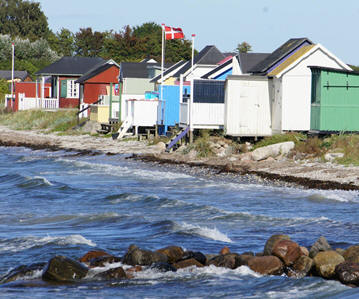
(73, 89)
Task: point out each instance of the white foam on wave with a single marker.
(40, 178)
(203, 231)
(154, 276)
(123, 171)
(24, 243)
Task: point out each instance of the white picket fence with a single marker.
(37, 103)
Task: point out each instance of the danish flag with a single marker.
(173, 33)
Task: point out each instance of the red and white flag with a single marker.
(173, 33)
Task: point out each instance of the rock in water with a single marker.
(112, 274)
(163, 267)
(287, 250)
(174, 253)
(21, 271)
(348, 273)
(187, 263)
(267, 265)
(101, 261)
(136, 256)
(352, 254)
(268, 247)
(302, 267)
(230, 261)
(63, 269)
(93, 254)
(320, 245)
(326, 261)
(197, 255)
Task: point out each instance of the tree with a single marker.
(88, 43)
(63, 42)
(23, 18)
(244, 47)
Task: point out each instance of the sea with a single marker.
(61, 203)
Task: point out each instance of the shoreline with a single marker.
(308, 174)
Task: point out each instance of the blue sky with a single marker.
(265, 24)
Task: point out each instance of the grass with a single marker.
(297, 138)
(59, 121)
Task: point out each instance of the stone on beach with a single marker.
(351, 254)
(320, 245)
(268, 247)
(287, 250)
(273, 150)
(348, 273)
(63, 269)
(136, 256)
(325, 263)
(266, 265)
(173, 253)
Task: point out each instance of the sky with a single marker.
(264, 24)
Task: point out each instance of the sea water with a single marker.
(59, 203)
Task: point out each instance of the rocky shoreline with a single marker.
(281, 256)
(309, 174)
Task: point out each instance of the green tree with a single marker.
(88, 43)
(23, 18)
(63, 42)
(244, 47)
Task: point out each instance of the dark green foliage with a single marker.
(24, 19)
(244, 47)
(88, 43)
(63, 42)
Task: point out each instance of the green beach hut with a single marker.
(334, 100)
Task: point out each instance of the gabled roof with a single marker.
(218, 70)
(71, 66)
(97, 70)
(169, 71)
(280, 53)
(248, 60)
(300, 55)
(138, 69)
(209, 55)
(5, 74)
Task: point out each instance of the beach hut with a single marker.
(247, 106)
(335, 100)
(288, 66)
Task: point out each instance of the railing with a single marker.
(205, 115)
(37, 103)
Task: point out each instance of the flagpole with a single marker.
(193, 36)
(162, 69)
(12, 71)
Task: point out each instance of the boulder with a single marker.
(320, 245)
(266, 265)
(304, 250)
(91, 255)
(136, 256)
(348, 273)
(326, 261)
(101, 261)
(161, 146)
(63, 269)
(287, 250)
(173, 253)
(352, 254)
(243, 259)
(187, 263)
(112, 274)
(224, 250)
(302, 267)
(163, 267)
(272, 150)
(333, 156)
(198, 256)
(268, 247)
(21, 271)
(229, 260)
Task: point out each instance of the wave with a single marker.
(24, 243)
(206, 232)
(124, 171)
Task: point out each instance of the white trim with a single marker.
(310, 52)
